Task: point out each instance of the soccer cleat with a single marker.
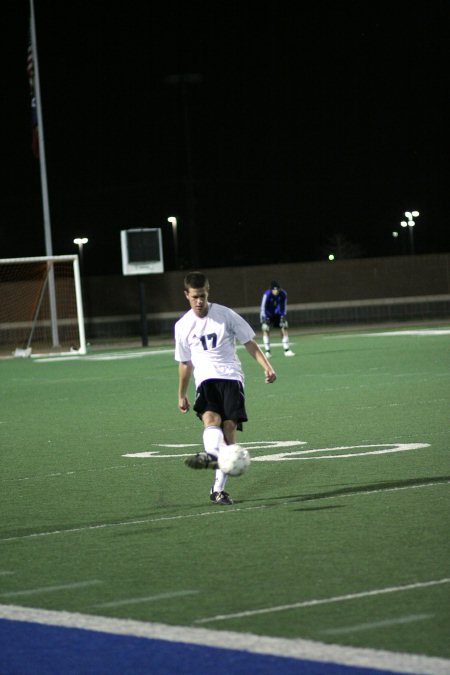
(221, 498)
(201, 461)
(289, 352)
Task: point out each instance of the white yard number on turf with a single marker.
(339, 452)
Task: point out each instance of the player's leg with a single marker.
(208, 406)
(285, 338)
(213, 436)
(265, 327)
(234, 414)
(229, 431)
(218, 494)
(212, 440)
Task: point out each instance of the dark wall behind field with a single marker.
(242, 287)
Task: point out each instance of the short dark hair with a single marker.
(274, 284)
(195, 280)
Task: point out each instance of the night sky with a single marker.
(272, 131)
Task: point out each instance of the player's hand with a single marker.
(184, 404)
(270, 376)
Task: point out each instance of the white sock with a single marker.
(219, 481)
(212, 440)
(285, 341)
(266, 341)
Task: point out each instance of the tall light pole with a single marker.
(410, 223)
(80, 242)
(183, 81)
(174, 222)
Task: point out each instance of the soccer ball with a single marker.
(234, 460)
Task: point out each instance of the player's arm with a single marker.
(262, 310)
(283, 303)
(283, 309)
(184, 376)
(254, 350)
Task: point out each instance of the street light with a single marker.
(174, 222)
(80, 241)
(410, 223)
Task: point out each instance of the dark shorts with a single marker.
(224, 397)
(274, 321)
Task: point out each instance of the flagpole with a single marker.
(44, 184)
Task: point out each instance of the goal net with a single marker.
(41, 308)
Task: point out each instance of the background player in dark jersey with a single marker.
(273, 315)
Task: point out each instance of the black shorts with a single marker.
(276, 321)
(224, 397)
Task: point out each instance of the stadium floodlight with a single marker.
(80, 242)
(174, 223)
(410, 223)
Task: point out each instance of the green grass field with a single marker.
(340, 529)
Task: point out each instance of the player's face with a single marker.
(275, 291)
(198, 300)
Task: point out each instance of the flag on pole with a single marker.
(34, 121)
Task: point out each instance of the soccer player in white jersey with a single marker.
(205, 346)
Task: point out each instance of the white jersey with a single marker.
(210, 343)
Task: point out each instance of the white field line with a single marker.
(323, 601)
(377, 624)
(113, 356)
(215, 512)
(256, 644)
(143, 521)
(59, 474)
(150, 598)
(51, 589)
(426, 332)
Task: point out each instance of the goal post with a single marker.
(41, 306)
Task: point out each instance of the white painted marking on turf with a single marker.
(102, 357)
(51, 589)
(128, 355)
(297, 455)
(66, 473)
(144, 521)
(324, 601)
(176, 445)
(5, 573)
(221, 512)
(149, 598)
(421, 333)
(360, 627)
(251, 445)
(395, 333)
(255, 644)
(300, 454)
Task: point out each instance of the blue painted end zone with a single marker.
(30, 648)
